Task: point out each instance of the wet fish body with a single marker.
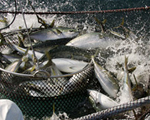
(101, 101)
(11, 57)
(126, 93)
(69, 65)
(92, 40)
(71, 53)
(108, 83)
(53, 34)
(30, 52)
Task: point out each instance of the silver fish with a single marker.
(11, 57)
(22, 50)
(71, 52)
(30, 52)
(126, 93)
(100, 101)
(93, 40)
(108, 83)
(14, 66)
(69, 65)
(54, 34)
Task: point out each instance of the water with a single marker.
(137, 51)
(132, 19)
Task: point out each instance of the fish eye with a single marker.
(97, 103)
(71, 30)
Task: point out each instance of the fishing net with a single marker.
(39, 95)
(56, 91)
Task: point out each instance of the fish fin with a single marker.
(4, 20)
(121, 24)
(20, 42)
(58, 31)
(126, 62)
(53, 108)
(22, 59)
(33, 68)
(52, 24)
(3, 41)
(101, 24)
(136, 84)
(104, 21)
(40, 20)
(131, 70)
(126, 31)
(49, 63)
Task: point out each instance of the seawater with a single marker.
(136, 47)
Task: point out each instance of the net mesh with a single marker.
(36, 96)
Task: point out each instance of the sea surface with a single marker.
(135, 19)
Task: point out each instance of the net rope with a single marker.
(81, 12)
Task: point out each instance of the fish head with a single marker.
(70, 32)
(93, 95)
(65, 29)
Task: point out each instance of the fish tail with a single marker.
(3, 40)
(125, 63)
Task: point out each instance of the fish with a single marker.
(54, 36)
(69, 65)
(54, 71)
(125, 90)
(30, 52)
(117, 34)
(56, 86)
(93, 40)
(22, 50)
(14, 66)
(128, 34)
(50, 69)
(71, 52)
(100, 101)
(10, 57)
(107, 81)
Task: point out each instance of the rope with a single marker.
(13, 18)
(81, 12)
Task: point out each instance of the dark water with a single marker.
(77, 5)
(135, 19)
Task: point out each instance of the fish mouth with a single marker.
(92, 96)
